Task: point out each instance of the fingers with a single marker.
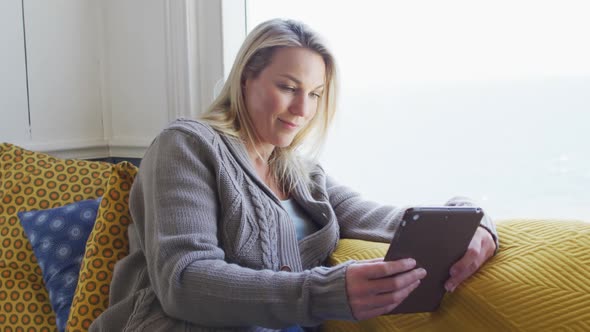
(467, 262)
(385, 303)
(378, 270)
(375, 288)
(358, 276)
(394, 297)
(487, 242)
(464, 268)
(400, 281)
(374, 260)
(471, 261)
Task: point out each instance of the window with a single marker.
(489, 100)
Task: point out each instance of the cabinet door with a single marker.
(63, 54)
(14, 119)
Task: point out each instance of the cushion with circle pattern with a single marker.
(58, 237)
(106, 245)
(33, 181)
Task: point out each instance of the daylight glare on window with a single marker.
(489, 100)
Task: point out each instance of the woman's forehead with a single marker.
(301, 65)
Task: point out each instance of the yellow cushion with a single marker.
(539, 281)
(34, 181)
(106, 245)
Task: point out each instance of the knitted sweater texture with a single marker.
(212, 249)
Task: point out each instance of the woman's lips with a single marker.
(287, 124)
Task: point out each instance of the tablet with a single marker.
(436, 237)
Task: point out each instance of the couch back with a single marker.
(36, 181)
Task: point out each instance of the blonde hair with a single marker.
(228, 114)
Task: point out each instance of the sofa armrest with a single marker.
(538, 281)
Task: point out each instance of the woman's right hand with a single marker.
(376, 287)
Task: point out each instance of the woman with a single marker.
(231, 227)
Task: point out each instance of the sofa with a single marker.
(538, 281)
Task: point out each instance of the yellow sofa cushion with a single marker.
(538, 281)
(106, 245)
(34, 181)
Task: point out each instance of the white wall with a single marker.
(13, 90)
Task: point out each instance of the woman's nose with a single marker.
(300, 106)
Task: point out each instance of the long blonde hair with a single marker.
(228, 114)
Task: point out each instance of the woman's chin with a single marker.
(283, 143)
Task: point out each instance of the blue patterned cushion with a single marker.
(58, 237)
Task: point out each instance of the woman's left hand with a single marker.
(480, 249)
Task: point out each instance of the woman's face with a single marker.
(285, 95)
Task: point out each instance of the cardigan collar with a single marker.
(238, 149)
(319, 210)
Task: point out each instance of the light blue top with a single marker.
(303, 224)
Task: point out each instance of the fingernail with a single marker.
(449, 287)
(422, 272)
(412, 261)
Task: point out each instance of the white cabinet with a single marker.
(135, 54)
(50, 88)
(87, 78)
(63, 55)
(14, 119)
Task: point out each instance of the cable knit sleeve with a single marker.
(367, 220)
(486, 222)
(175, 206)
(359, 218)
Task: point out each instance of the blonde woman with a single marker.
(232, 227)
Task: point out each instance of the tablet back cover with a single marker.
(436, 237)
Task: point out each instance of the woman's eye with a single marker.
(287, 88)
(316, 95)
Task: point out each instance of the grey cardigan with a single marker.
(212, 249)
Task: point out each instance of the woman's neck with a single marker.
(259, 157)
(259, 153)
